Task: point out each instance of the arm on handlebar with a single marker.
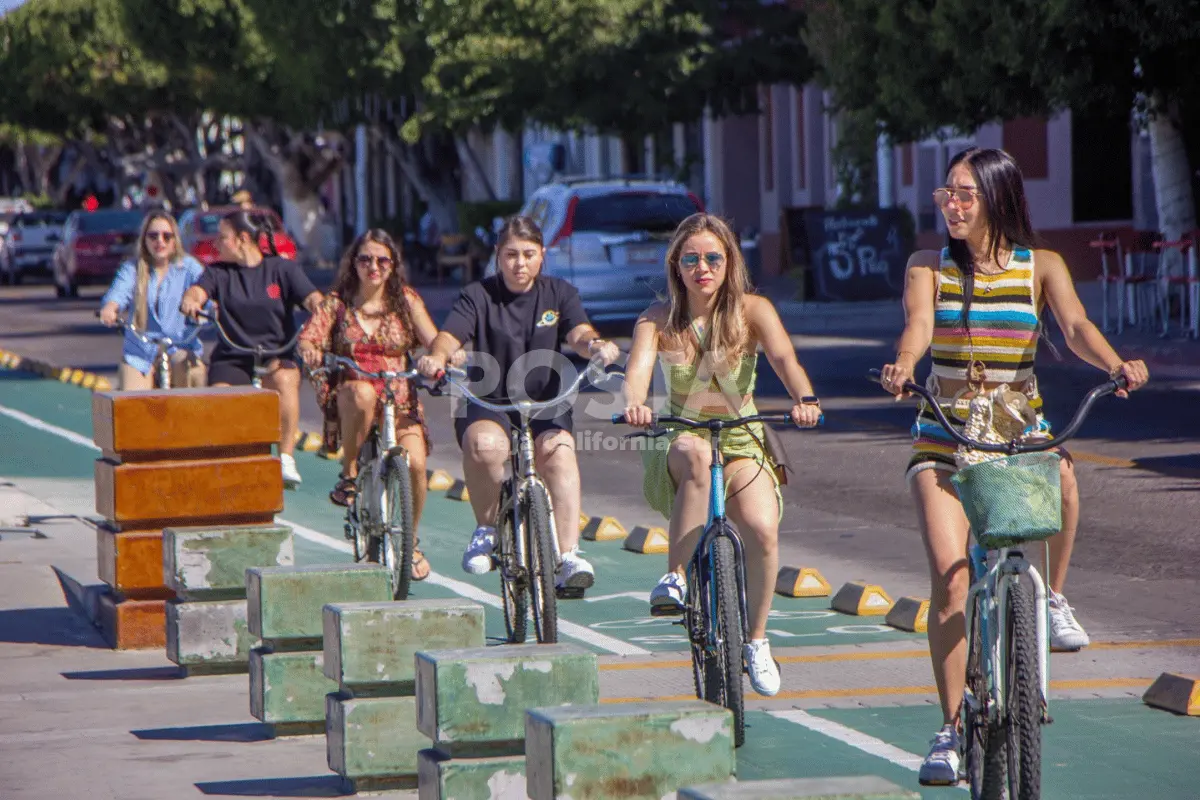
(1015, 446)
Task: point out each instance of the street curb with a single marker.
(69, 375)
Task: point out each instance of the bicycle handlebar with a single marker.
(455, 377)
(1014, 446)
(332, 361)
(258, 351)
(714, 426)
(152, 338)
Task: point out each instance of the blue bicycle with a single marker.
(715, 606)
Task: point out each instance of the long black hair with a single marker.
(258, 225)
(1002, 190)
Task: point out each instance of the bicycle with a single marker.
(379, 519)
(259, 352)
(714, 610)
(162, 345)
(527, 554)
(1006, 699)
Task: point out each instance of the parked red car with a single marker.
(198, 231)
(93, 245)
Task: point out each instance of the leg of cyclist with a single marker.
(133, 381)
(554, 451)
(1066, 634)
(411, 436)
(485, 460)
(754, 508)
(688, 463)
(188, 372)
(944, 528)
(284, 378)
(356, 402)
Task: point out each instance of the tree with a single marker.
(920, 67)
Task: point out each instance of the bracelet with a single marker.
(809, 400)
(1116, 371)
(907, 352)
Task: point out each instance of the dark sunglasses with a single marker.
(692, 260)
(364, 260)
(165, 236)
(965, 197)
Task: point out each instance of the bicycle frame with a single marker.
(260, 354)
(162, 345)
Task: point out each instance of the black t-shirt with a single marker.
(508, 325)
(257, 304)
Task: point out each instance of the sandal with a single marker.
(420, 566)
(343, 491)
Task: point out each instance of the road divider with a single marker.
(643, 539)
(68, 375)
(862, 599)
(801, 582)
(602, 529)
(459, 492)
(909, 614)
(438, 480)
(1179, 694)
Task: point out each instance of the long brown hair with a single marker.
(346, 284)
(728, 338)
(144, 259)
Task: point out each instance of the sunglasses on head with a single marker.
(365, 260)
(692, 260)
(965, 197)
(155, 236)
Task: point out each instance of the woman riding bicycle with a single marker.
(707, 335)
(977, 304)
(373, 317)
(151, 286)
(257, 297)
(507, 315)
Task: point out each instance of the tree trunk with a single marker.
(300, 200)
(439, 193)
(1172, 178)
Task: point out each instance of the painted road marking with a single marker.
(814, 659)
(574, 630)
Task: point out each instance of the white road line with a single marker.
(856, 739)
(461, 588)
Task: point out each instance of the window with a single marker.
(629, 211)
(1025, 140)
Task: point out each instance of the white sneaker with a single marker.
(668, 596)
(940, 767)
(477, 559)
(291, 476)
(1065, 633)
(575, 572)
(764, 674)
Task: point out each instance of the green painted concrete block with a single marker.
(472, 702)
(626, 750)
(286, 602)
(370, 646)
(208, 633)
(440, 777)
(208, 561)
(372, 737)
(288, 687)
(863, 787)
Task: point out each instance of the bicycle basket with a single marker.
(1012, 500)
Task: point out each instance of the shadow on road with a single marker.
(234, 732)
(131, 674)
(315, 786)
(62, 627)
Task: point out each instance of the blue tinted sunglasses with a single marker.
(692, 260)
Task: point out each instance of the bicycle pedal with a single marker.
(568, 593)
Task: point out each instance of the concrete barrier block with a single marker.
(209, 635)
(372, 737)
(286, 602)
(603, 529)
(288, 690)
(635, 750)
(1177, 693)
(458, 491)
(863, 787)
(129, 624)
(438, 480)
(801, 582)
(232, 418)
(370, 646)
(909, 614)
(473, 702)
(207, 562)
(130, 561)
(440, 777)
(862, 599)
(647, 540)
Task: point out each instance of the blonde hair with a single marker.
(144, 260)
(728, 339)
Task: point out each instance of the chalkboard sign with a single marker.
(851, 255)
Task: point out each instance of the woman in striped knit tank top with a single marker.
(977, 305)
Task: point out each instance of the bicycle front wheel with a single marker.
(984, 745)
(512, 584)
(723, 667)
(539, 532)
(1023, 684)
(398, 534)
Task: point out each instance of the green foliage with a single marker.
(481, 214)
(853, 158)
(40, 202)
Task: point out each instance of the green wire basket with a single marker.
(1012, 500)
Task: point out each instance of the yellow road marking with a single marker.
(1106, 461)
(876, 691)
(1148, 644)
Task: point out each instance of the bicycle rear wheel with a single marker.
(723, 664)
(539, 543)
(398, 534)
(512, 584)
(1023, 683)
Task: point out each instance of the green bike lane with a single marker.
(1098, 748)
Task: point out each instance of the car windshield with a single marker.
(206, 224)
(108, 221)
(40, 219)
(632, 211)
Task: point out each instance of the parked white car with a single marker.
(29, 244)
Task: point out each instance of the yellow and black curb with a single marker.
(69, 375)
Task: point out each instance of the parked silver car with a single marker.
(608, 236)
(29, 244)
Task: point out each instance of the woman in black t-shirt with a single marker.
(507, 315)
(256, 300)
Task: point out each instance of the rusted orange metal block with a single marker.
(131, 562)
(130, 624)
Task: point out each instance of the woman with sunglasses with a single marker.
(151, 287)
(257, 297)
(373, 317)
(707, 335)
(977, 305)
